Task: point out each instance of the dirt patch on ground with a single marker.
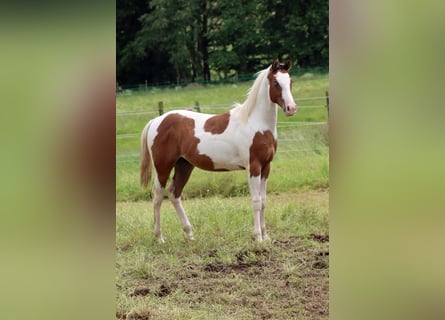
(137, 315)
(320, 237)
(228, 268)
(140, 292)
(287, 279)
(162, 291)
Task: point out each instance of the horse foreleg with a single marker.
(255, 193)
(263, 185)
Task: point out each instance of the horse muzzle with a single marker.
(289, 109)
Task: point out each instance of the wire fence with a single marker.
(303, 74)
(135, 157)
(214, 106)
(279, 125)
(292, 141)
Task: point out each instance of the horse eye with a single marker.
(275, 83)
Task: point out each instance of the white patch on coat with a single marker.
(283, 80)
(228, 150)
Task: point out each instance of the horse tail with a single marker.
(145, 158)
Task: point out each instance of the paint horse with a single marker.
(243, 138)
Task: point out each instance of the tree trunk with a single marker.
(204, 41)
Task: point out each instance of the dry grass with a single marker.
(223, 274)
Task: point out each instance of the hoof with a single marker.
(261, 239)
(258, 237)
(189, 236)
(161, 240)
(188, 233)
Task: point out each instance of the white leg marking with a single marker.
(186, 225)
(254, 185)
(158, 193)
(263, 187)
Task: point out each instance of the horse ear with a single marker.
(275, 63)
(288, 64)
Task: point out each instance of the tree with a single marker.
(304, 32)
(236, 36)
(184, 40)
(203, 38)
(127, 25)
(169, 29)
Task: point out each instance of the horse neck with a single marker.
(264, 114)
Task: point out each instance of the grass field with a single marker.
(223, 274)
(302, 147)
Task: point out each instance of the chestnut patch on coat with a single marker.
(275, 91)
(183, 170)
(261, 152)
(217, 124)
(176, 139)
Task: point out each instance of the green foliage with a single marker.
(177, 41)
(304, 32)
(171, 27)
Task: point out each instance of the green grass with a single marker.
(223, 274)
(310, 172)
(300, 164)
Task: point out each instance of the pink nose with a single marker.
(290, 109)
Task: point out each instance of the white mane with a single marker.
(245, 109)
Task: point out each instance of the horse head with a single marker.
(280, 86)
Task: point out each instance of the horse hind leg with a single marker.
(183, 170)
(160, 181)
(158, 194)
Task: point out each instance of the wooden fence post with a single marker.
(327, 101)
(161, 108)
(197, 107)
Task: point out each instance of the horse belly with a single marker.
(223, 155)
